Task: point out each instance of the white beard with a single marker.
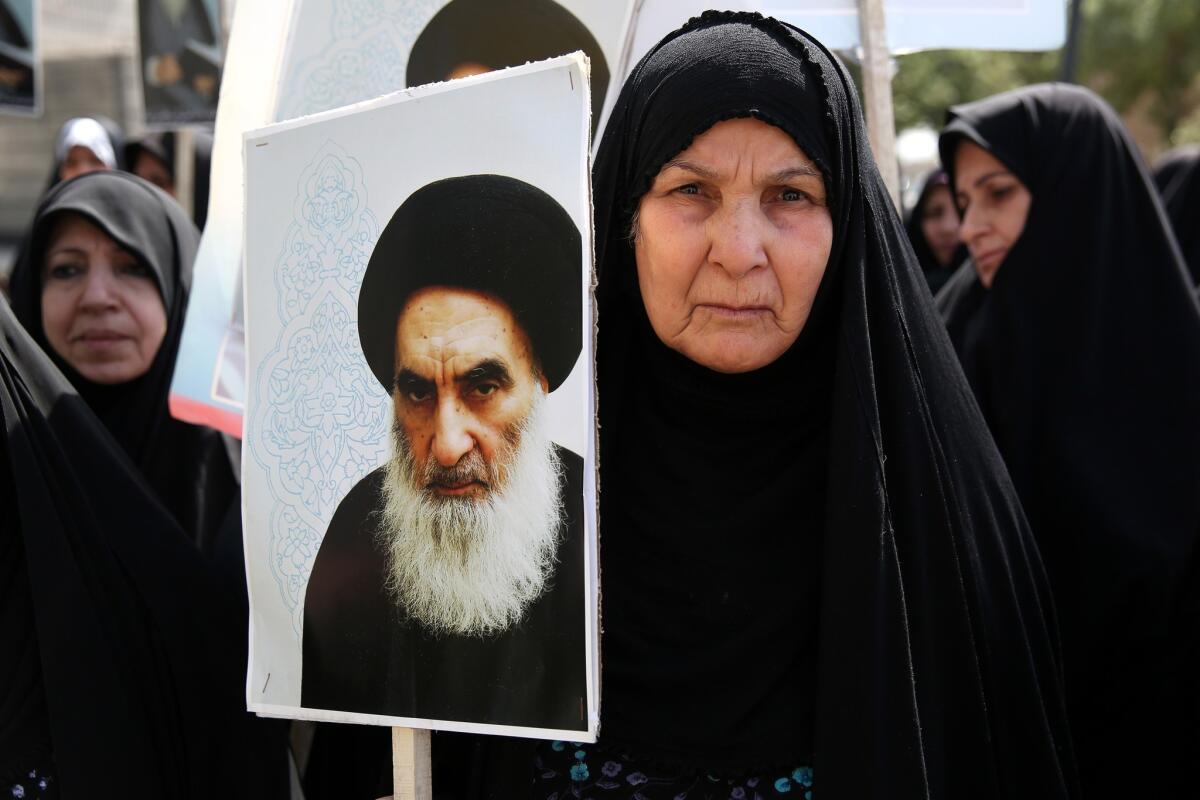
(467, 566)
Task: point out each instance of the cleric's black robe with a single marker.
(361, 655)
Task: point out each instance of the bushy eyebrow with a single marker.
(409, 381)
(491, 369)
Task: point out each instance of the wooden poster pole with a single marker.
(185, 168)
(877, 93)
(412, 775)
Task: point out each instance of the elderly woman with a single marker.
(817, 580)
(1077, 328)
(103, 288)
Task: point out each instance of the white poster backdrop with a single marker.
(288, 59)
(356, 166)
(911, 24)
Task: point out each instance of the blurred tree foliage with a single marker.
(1143, 56)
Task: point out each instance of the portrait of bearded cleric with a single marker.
(450, 583)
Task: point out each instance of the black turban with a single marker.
(486, 233)
(503, 33)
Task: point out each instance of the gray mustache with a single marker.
(471, 467)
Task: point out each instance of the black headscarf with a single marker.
(186, 465)
(935, 668)
(1085, 356)
(936, 274)
(1178, 177)
(115, 653)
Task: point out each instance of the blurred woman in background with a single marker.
(103, 288)
(1077, 328)
(932, 227)
(1178, 177)
(86, 144)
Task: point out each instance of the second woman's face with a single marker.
(994, 205)
(102, 311)
(731, 241)
(939, 224)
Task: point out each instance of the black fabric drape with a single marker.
(1085, 355)
(936, 661)
(935, 274)
(128, 633)
(187, 465)
(1177, 175)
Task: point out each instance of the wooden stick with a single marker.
(412, 775)
(877, 93)
(185, 168)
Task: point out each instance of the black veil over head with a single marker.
(187, 465)
(1085, 357)
(937, 652)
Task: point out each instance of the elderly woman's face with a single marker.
(731, 242)
(101, 309)
(994, 204)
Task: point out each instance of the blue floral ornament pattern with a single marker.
(321, 418)
(331, 236)
(566, 771)
(364, 56)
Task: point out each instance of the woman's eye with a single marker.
(136, 269)
(64, 272)
(1001, 192)
(688, 188)
(791, 195)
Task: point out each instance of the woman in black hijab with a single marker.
(932, 227)
(817, 579)
(1081, 338)
(1178, 177)
(116, 221)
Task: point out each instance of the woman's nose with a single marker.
(98, 287)
(737, 237)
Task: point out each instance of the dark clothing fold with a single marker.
(935, 668)
(1085, 357)
(118, 636)
(187, 466)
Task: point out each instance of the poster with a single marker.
(332, 53)
(179, 44)
(911, 24)
(20, 86)
(418, 465)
